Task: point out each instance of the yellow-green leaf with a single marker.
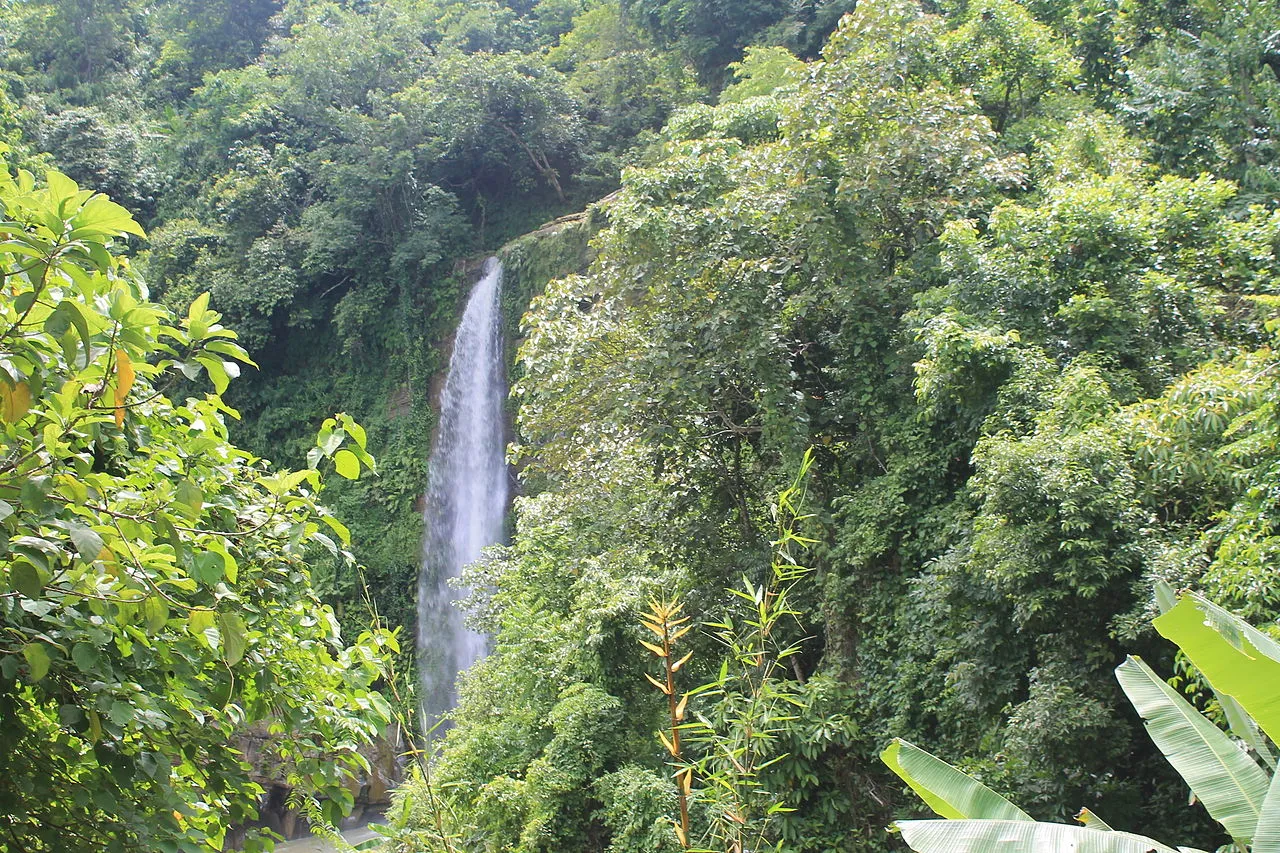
(346, 464)
(15, 401)
(37, 660)
(125, 376)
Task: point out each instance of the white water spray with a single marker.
(468, 493)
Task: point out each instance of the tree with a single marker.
(502, 118)
(155, 601)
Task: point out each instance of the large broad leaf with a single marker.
(1019, 836)
(1267, 838)
(946, 790)
(1229, 783)
(1235, 657)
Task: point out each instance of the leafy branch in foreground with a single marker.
(155, 601)
(1241, 663)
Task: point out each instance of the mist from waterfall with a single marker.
(468, 493)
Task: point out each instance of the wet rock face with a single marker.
(372, 790)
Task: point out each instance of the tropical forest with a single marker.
(640, 426)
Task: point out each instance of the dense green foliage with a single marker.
(319, 167)
(1006, 267)
(1029, 355)
(155, 602)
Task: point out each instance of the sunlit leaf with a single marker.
(1019, 836)
(38, 661)
(1229, 784)
(125, 376)
(946, 790)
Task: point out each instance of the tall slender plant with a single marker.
(664, 620)
(749, 704)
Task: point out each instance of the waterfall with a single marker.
(468, 492)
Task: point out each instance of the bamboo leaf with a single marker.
(656, 683)
(1228, 782)
(657, 650)
(948, 791)
(1019, 836)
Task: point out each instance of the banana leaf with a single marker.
(1267, 838)
(1019, 836)
(1092, 821)
(1235, 657)
(948, 791)
(1230, 784)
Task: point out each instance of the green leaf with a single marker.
(217, 372)
(346, 464)
(85, 657)
(329, 440)
(234, 638)
(1228, 782)
(25, 578)
(121, 713)
(356, 432)
(156, 613)
(189, 495)
(199, 620)
(37, 660)
(1244, 727)
(1019, 836)
(948, 791)
(207, 567)
(61, 187)
(337, 527)
(101, 215)
(230, 567)
(1237, 659)
(1267, 838)
(88, 543)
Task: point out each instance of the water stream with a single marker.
(468, 493)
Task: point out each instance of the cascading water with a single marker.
(468, 492)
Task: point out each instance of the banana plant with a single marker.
(1241, 792)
